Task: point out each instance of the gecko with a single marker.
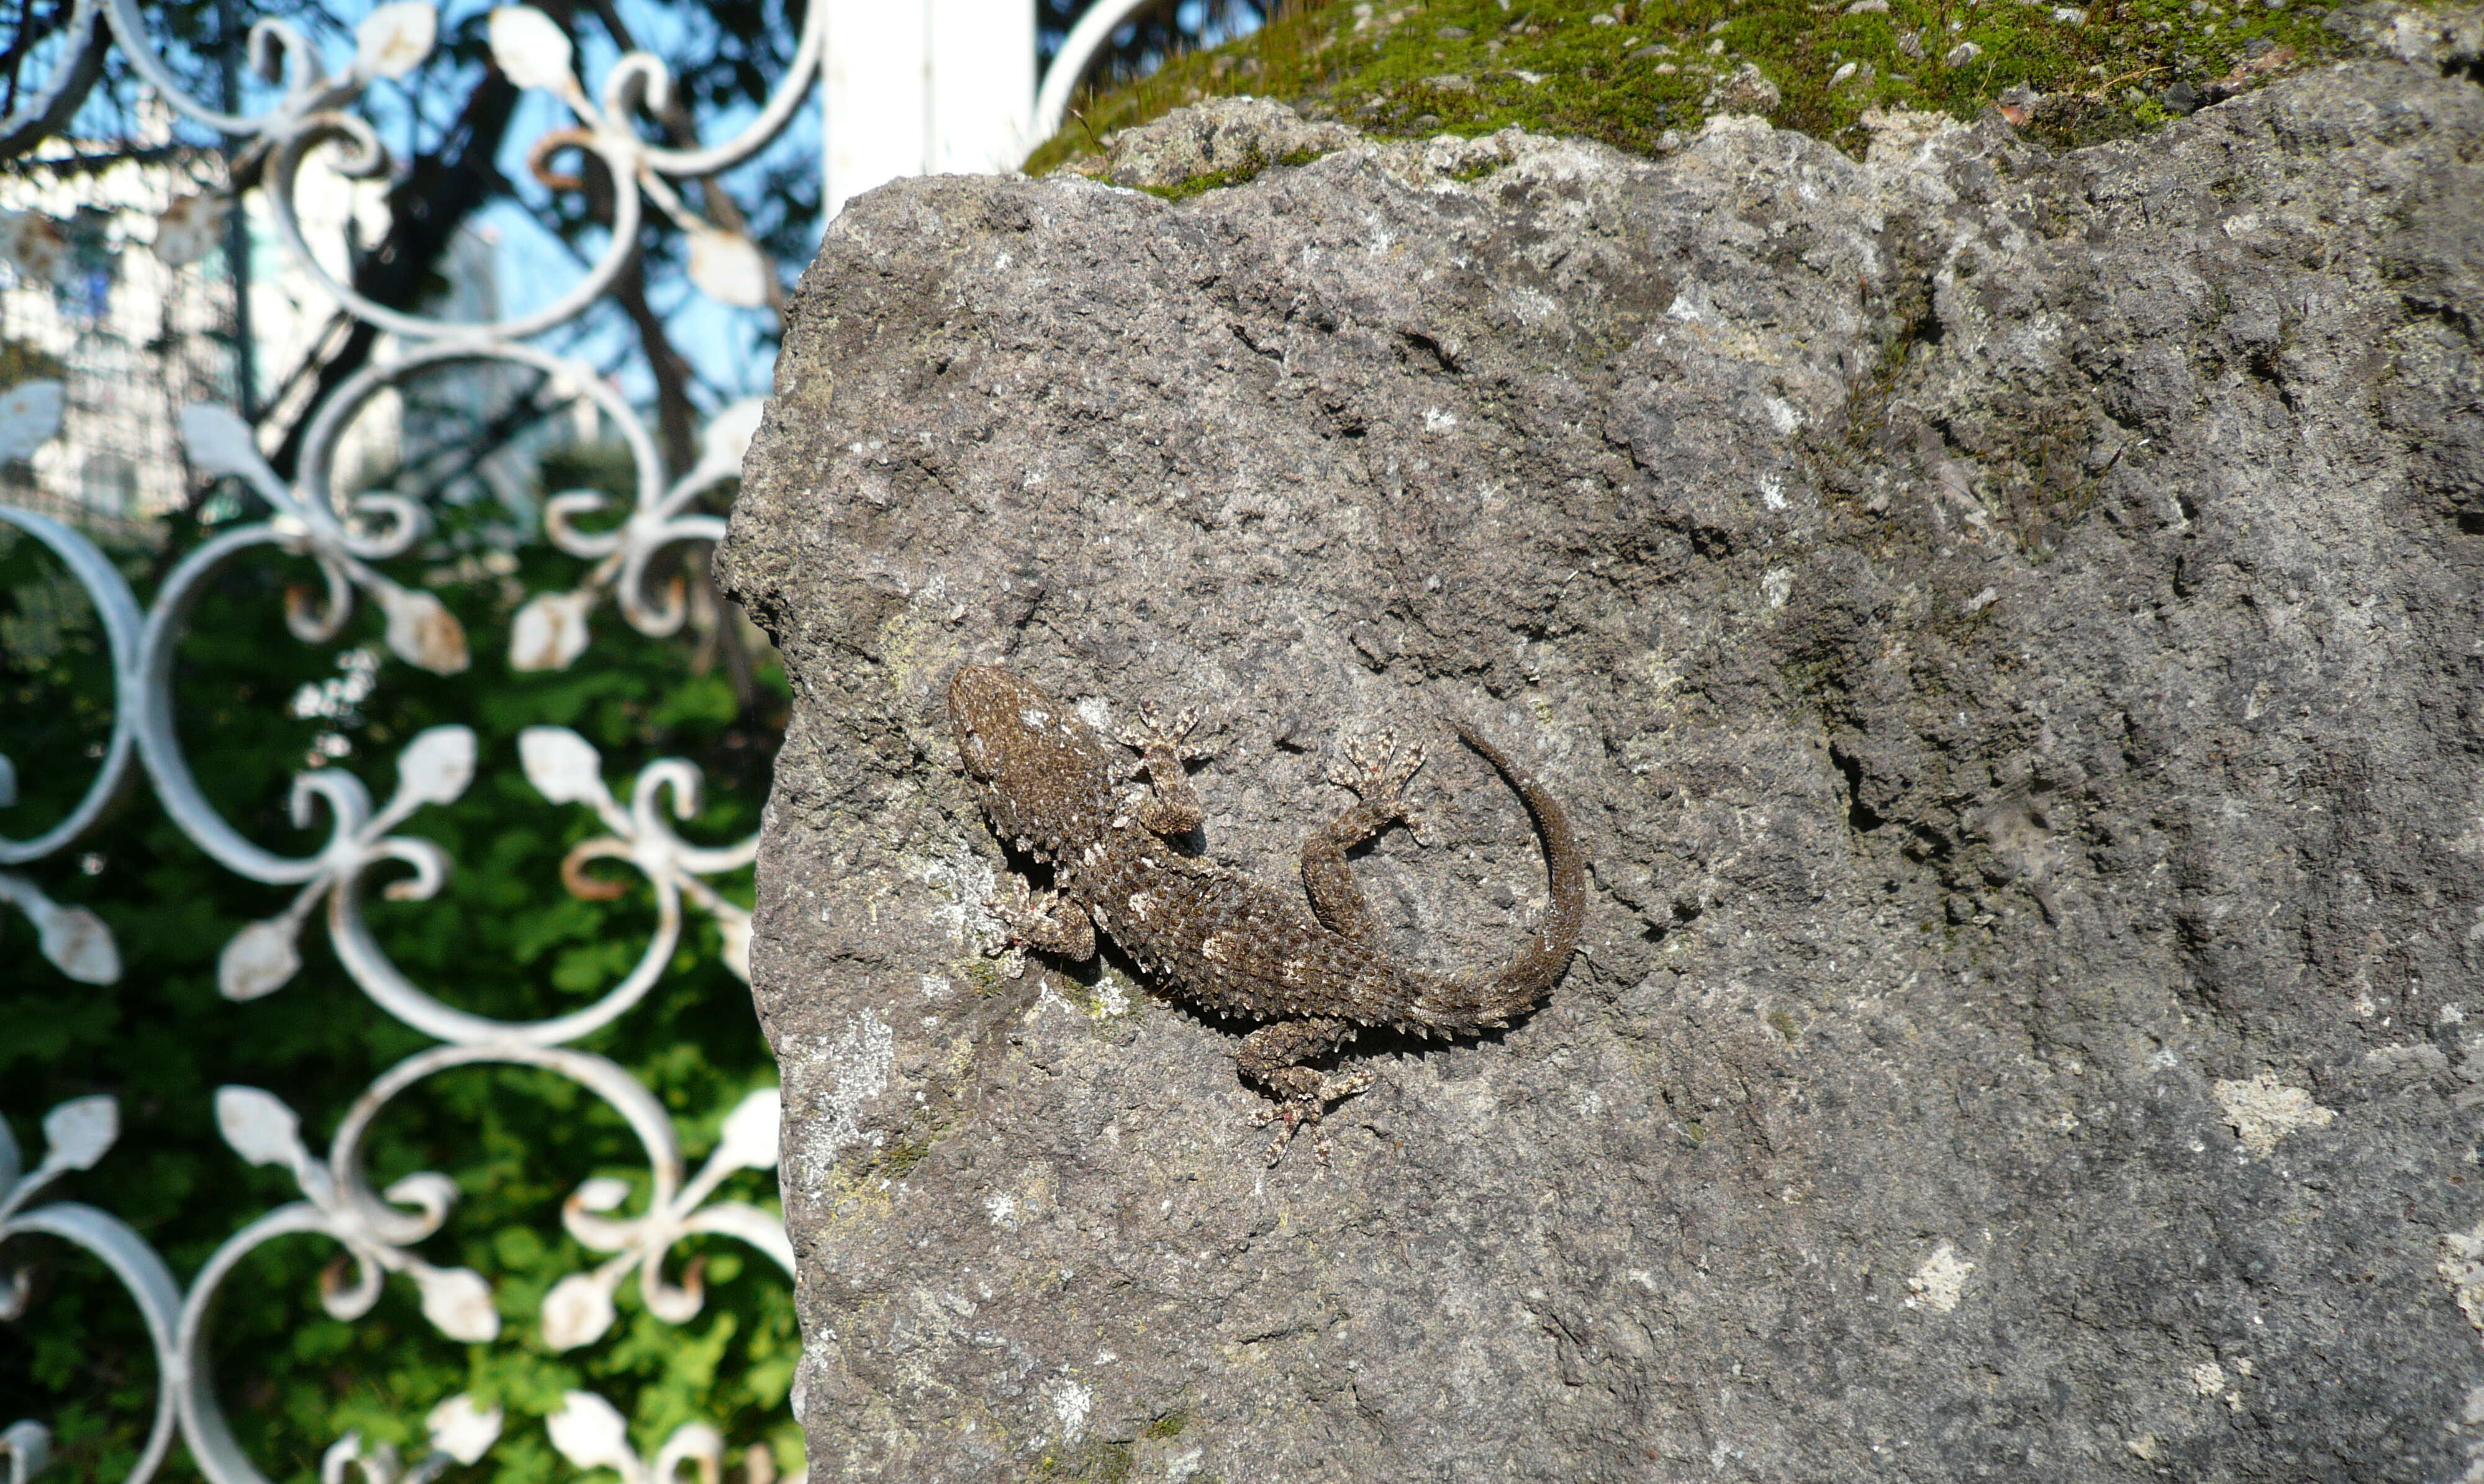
(1214, 937)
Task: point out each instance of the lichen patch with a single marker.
(2462, 1268)
(1071, 1403)
(857, 1065)
(2264, 1110)
(1941, 1281)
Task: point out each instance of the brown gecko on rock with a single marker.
(1218, 939)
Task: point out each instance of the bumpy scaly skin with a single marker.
(1222, 941)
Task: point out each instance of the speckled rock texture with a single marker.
(2010, 630)
(1216, 138)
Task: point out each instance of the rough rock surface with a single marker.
(1217, 138)
(2010, 629)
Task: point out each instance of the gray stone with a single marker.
(2448, 37)
(2007, 627)
(1221, 136)
(1747, 90)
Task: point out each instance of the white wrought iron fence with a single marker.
(966, 85)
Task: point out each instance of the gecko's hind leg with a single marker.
(1272, 1056)
(1377, 770)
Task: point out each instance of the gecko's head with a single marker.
(1040, 774)
(1002, 723)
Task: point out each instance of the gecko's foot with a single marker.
(1021, 908)
(1305, 1100)
(1046, 921)
(1155, 730)
(1166, 806)
(1377, 770)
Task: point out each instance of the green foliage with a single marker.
(501, 939)
(1627, 73)
(21, 362)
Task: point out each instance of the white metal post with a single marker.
(915, 87)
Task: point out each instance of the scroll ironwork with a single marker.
(346, 537)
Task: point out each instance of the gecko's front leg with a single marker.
(1167, 806)
(1050, 922)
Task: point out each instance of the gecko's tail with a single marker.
(1522, 985)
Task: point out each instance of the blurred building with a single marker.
(85, 300)
(117, 282)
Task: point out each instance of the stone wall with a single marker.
(2008, 628)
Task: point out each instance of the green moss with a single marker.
(1470, 66)
(1170, 1425)
(1251, 165)
(898, 1159)
(1785, 1025)
(1098, 1463)
(1214, 180)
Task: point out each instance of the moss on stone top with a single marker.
(1630, 72)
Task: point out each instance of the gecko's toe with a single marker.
(1377, 770)
(1155, 729)
(1286, 1117)
(1305, 1099)
(1363, 762)
(1337, 1089)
